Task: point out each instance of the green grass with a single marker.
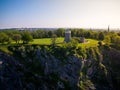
(46, 41)
(90, 43)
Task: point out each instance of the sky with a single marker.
(59, 13)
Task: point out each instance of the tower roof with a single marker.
(67, 31)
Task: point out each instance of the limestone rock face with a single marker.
(45, 71)
(9, 77)
(68, 71)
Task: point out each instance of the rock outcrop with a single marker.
(37, 69)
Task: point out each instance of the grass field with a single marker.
(47, 41)
(90, 43)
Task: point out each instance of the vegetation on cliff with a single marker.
(69, 66)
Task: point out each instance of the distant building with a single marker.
(108, 28)
(67, 35)
(82, 40)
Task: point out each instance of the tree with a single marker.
(17, 37)
(117, 40)
(50, 33)
(60, 32)
(100, 43)
(34, 34)
(53, 39)
(26, 37)
(9, 40)
(88, 34)
(73, 33)
(107, 40)
(3, 37)
(101, 36)
(113, 37)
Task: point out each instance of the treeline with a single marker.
(26, 36)
(11, 35)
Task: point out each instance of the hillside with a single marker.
(60, 68)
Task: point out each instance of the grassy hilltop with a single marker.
(47, 41)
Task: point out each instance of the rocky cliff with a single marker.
(46, 68)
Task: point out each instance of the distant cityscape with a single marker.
(32, 29)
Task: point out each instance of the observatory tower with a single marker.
(67, 35)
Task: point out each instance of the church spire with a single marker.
(108, 28)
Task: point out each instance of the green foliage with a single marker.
(10, 40)
(101, 36)
(76, 39)
(81, 52)
(50, 33)
(93, 53)
(112, 37)
(60, 32)
(100, 43)
(103, 68)
(117, 40)
(53, 39)
(86, 85)
(72, 44)
(107, 40)
(3, 37)
(4, 48)
(17, 37)
(26, 37)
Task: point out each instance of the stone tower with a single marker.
(67, 35)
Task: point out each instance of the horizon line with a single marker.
(58, 28)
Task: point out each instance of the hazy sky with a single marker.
(60, 13)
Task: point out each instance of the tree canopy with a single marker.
(26, 37)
